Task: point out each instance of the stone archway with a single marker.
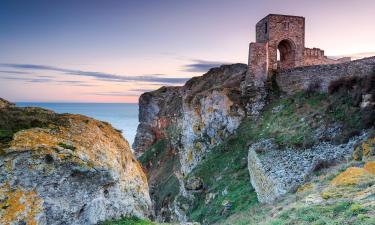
(286, 54)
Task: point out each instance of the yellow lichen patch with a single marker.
(190, 156)
(197, 127)
(365, 151)
(32, 139)
(197, 109)
(357, 154)
(198, 146)
(368, 147)
(9, 165)
(19, 205)
(370, 167)
(210, 109)
(305, 187)
(352, 176)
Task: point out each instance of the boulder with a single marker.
(68, 169)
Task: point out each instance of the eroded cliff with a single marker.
(66, 169)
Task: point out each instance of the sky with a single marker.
(113, 51)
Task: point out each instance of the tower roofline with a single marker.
(274, 14)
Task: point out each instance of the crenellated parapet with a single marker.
(316, 56)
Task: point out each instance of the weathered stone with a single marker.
(194, 184)
(72, 170)
(297, 79)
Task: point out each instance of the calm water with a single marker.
(122, 116)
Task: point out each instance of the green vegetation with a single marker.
(14, 119)
(5, 135)
(161, 161)
(154, 151)
(335, 213)
(129, 221)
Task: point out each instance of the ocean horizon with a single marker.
(122, 116)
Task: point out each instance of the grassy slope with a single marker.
(129, 221)
(345, 204)
(292, 124)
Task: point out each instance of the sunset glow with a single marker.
(112, 51)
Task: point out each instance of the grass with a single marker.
(154, 151)
(15, 119)
(129, 221)
(345, 212)
(5, 135)
(160, 162)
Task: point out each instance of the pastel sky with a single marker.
(112, 51)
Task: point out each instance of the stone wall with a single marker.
(295, 79)
(258, 60)
(315, 56)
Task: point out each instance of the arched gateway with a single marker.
(280, 44)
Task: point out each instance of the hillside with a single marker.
(235, 148)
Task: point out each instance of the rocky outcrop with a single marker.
(275, 172)
(206, 110)
(66, 169)
(189, 120)
(157, 111)
(4, 103)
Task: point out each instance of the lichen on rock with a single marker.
(69, 169)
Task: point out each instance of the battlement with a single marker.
(314, 53)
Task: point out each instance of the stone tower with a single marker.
(280, 44)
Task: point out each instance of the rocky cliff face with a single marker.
(204, 112)
(189, 120)
(66, 169)
(213, 109)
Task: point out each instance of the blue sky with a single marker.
(112, 51)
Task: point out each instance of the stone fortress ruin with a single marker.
(280, 44)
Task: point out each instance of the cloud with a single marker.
(199, 65)
(113, 93)
(48, 79)
(153, 78)
(14, 72)
(142, 90)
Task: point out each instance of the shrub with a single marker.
(313, 87)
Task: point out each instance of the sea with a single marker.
(122, 116)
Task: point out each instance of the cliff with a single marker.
(226, 141)
(66, 169)
(179, 125)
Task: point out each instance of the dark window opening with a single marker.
(265, 28)
(286, 26)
